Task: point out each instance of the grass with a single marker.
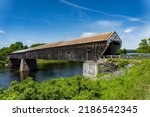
(40, 61)
(132, 84)
(50, 64)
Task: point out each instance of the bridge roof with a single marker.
(82, 40)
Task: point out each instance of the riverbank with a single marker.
(41, 61)
(49, 64)
(132, 85)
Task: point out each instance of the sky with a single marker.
(46, 21)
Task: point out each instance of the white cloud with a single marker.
(138, 20)
(29, 41)
(107, 23)
(86, 34)
(134, 19)
(2, 32)
(129, 30)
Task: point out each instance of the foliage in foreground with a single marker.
(132, 84)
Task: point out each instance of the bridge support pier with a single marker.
(90, 69)
(28, 65)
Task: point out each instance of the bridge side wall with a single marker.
(80, 52)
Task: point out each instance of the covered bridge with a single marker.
(85, 48)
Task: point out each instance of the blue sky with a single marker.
(44, 21)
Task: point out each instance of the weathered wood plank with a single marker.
(79, 52)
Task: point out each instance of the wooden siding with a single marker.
(79, 52)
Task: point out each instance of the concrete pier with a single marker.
(28, 65)
(90, 69)
(23, 64)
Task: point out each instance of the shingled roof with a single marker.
(94, 38)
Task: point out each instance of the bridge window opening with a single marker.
(88, 54)
(68, 52)
(88, 51)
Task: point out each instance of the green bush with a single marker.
(120, 62)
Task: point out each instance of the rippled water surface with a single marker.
(46, 71)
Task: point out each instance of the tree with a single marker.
(131, 51)
(122, 51)
(144, 46)
(25, 47)
(36, 44)
(7, 50)
(15, 47)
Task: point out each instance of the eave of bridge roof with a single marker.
(89, 39)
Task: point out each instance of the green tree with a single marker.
(25, 47)
(131, 51)
(15, 47)
(122, 51)
(144, 46)
(7, 50)
(36, 44)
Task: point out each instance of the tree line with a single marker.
(5, 51)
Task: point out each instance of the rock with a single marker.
(130, 65)
(116, 73)
(107, 67)
(6, 65)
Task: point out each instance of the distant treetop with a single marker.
(36, 44)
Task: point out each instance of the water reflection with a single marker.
(24, 75)
(46, 71)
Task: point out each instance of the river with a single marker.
(45, 72)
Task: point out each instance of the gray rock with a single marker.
(107, 67)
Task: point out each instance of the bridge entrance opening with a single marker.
(112, 48)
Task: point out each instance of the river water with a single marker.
(45, 72)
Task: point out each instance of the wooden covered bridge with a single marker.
(82, 49)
